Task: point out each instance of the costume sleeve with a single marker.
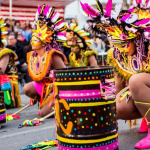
(90, 52)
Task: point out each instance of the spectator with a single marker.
(21, 41)
(7, 25)
(12, 24)
(25, 32)
(21, 62)
(17, 26)
(98, 45)
(28, 25)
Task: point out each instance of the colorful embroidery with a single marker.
(81, 62)
(40, 68)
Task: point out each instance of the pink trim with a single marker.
(80, 94)
(61, 33)
(53, 15)
(59, 22)
(111, 146)
(38, 87)
(2, 117)
(147, 2)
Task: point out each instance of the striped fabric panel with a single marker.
(23, 13)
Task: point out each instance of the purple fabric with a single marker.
(53, 45)
(111, 146)
(2, 117)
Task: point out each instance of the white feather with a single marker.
(132, 18)
(47, 15)
(148, 5)
(54, 19)
(61, 37)
(116, 13)
(134, 3)
(61, 25)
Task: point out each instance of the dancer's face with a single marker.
(128, 48)
(72, 42)
(71, 39)
(36, 43)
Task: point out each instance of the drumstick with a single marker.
(49, 115)
(21, 109)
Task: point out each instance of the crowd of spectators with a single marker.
(18, 40)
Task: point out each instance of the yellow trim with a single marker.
(8, 51)
(142, 103)
(66, 140)
(91, 104)
(118, 68)
(46, 67)
(147, 112)
(14, 82)
(2, 110)
(77, 83)
(16, 76)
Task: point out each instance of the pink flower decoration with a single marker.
(123, 36)
(39, 34)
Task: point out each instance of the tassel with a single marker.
(50, 98)
(130, 124)
(135, 122)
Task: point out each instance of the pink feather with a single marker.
(124, 18)
(89, 10)
(61, 33)
(108, 8)
(39, 9)
(147, 2)
(131, 10)
(59, 22)
(46, 9)
(142, 22)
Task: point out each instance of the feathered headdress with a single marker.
(121, 25)
(49, 27)
(3, 31)
(85, 41)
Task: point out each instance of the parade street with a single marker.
(14, 138)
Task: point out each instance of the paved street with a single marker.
(14, 138)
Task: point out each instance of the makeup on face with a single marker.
(35, 41)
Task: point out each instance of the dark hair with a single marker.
(1, 43)
(17, 22)
(14, 34)
(83, 41)
(6, 19)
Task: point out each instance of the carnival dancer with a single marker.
(81, 54)
(128, 32)
(9, 90)
(47, 55)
